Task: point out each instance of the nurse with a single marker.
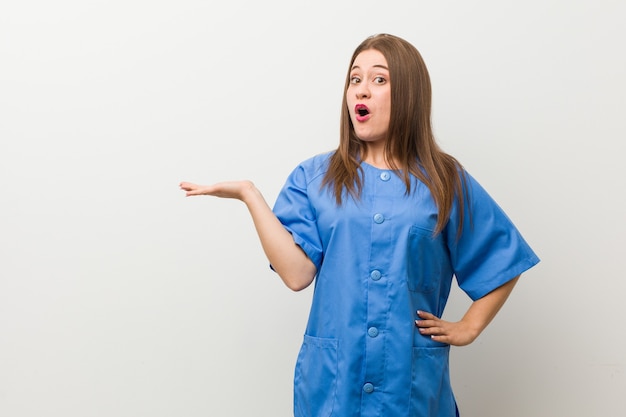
(381, 226)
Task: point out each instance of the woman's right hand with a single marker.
(228, 189)
(287, 258)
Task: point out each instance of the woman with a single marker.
(383, 224)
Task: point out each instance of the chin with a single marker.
(369, 138)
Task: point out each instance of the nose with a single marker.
(362, 91)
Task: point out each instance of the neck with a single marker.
(375, 156)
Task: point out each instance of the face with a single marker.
(369, 96)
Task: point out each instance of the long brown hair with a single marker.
(410, 147)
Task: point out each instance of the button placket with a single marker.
(377, 290)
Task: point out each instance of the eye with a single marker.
(379, 80)
(354, 80)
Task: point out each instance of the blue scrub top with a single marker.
(377, 263)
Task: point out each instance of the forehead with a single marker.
(370, 58)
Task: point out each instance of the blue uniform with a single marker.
(377, 263)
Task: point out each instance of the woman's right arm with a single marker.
(289, 260)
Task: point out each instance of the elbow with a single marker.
(299, 287)
(297, 277)
(295, 287)
(297, 284)
(297, 281)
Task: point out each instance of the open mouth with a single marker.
(361, 111)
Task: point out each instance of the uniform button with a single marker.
(372, 332)
(379, 218)
(368, 388)
(385, 176)
(375, 275)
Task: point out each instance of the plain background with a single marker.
(120, 297)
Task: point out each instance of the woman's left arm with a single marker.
(475, 320)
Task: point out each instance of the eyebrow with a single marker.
(374, 66)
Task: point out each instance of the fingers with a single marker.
(429, 323)
(427, 316)
(430, 329)
(428, 320)
(433, 326)
(452, 333)
(227, 189)
(193, 189)
(187, 186)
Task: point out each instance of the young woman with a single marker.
(383, 224)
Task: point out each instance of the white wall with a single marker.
(119, 297)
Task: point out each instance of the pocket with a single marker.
(315, 381)
(427, 260)
(431, 393)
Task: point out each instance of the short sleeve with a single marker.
(293, 209)
(490, 251)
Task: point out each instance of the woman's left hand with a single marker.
(453, 333)
(477, 317)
